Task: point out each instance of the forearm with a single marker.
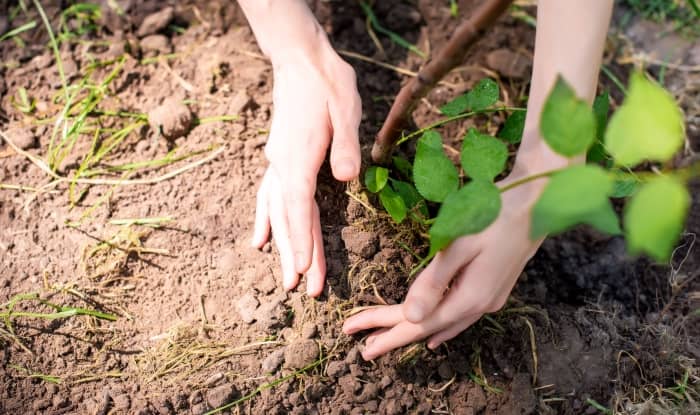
(285, 28)
(569, 42)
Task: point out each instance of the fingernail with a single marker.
(347, 166)
(414, 312)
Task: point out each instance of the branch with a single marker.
(450, 56)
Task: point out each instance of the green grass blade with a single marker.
(392, 35)
(16, 31)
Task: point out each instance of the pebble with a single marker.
(173, 119)
(156, 22)
(273, 361)
(300, 354)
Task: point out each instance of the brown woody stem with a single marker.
(449, 57)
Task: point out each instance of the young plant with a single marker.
(23, 103)
(648, 127)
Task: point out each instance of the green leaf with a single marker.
(513, 128)
(577, 195)
(376, 178)
(467, 211)
(624, 186)
(393, 203)
(568, 124)
(655, 216)
(601, 106)
(482, 96)
(433, 173)
(411, 198)
(403, 166)
(483, 157)
(648, 125)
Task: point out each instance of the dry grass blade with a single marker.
(184, 353)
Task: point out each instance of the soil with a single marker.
(202, 317)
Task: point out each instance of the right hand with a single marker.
(316, 106)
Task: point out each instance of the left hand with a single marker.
(471, 277)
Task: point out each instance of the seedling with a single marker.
(648, 127)
(23, 103)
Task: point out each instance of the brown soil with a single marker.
(203, 319)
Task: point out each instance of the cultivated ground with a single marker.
(149, 299)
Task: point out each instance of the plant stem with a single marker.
(528, 179)
(454, 118)
(447, 58)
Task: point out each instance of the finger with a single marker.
(345, 149)
(428, 289)
(299, 200)
(452, 331)
(385, 316)
(316, 274)
(280, 232)
(261, 229)
(382, 342)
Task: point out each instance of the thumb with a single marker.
(429, 288)
(345, 149)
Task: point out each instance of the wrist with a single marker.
(285, 30)
(535, 156)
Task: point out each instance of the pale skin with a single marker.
(317, 106)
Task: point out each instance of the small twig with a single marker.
(184, 84)
(397, 69)
(362, 202)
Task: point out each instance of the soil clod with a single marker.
(172, 119)
(22, 138)
(154, 45)
(273, 361)
(362, 243)
(246, 306)
(156, 22)
(221, 395)
(509, 64)
(300, 354)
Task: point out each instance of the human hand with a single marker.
(473, 276)
(316, 105)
